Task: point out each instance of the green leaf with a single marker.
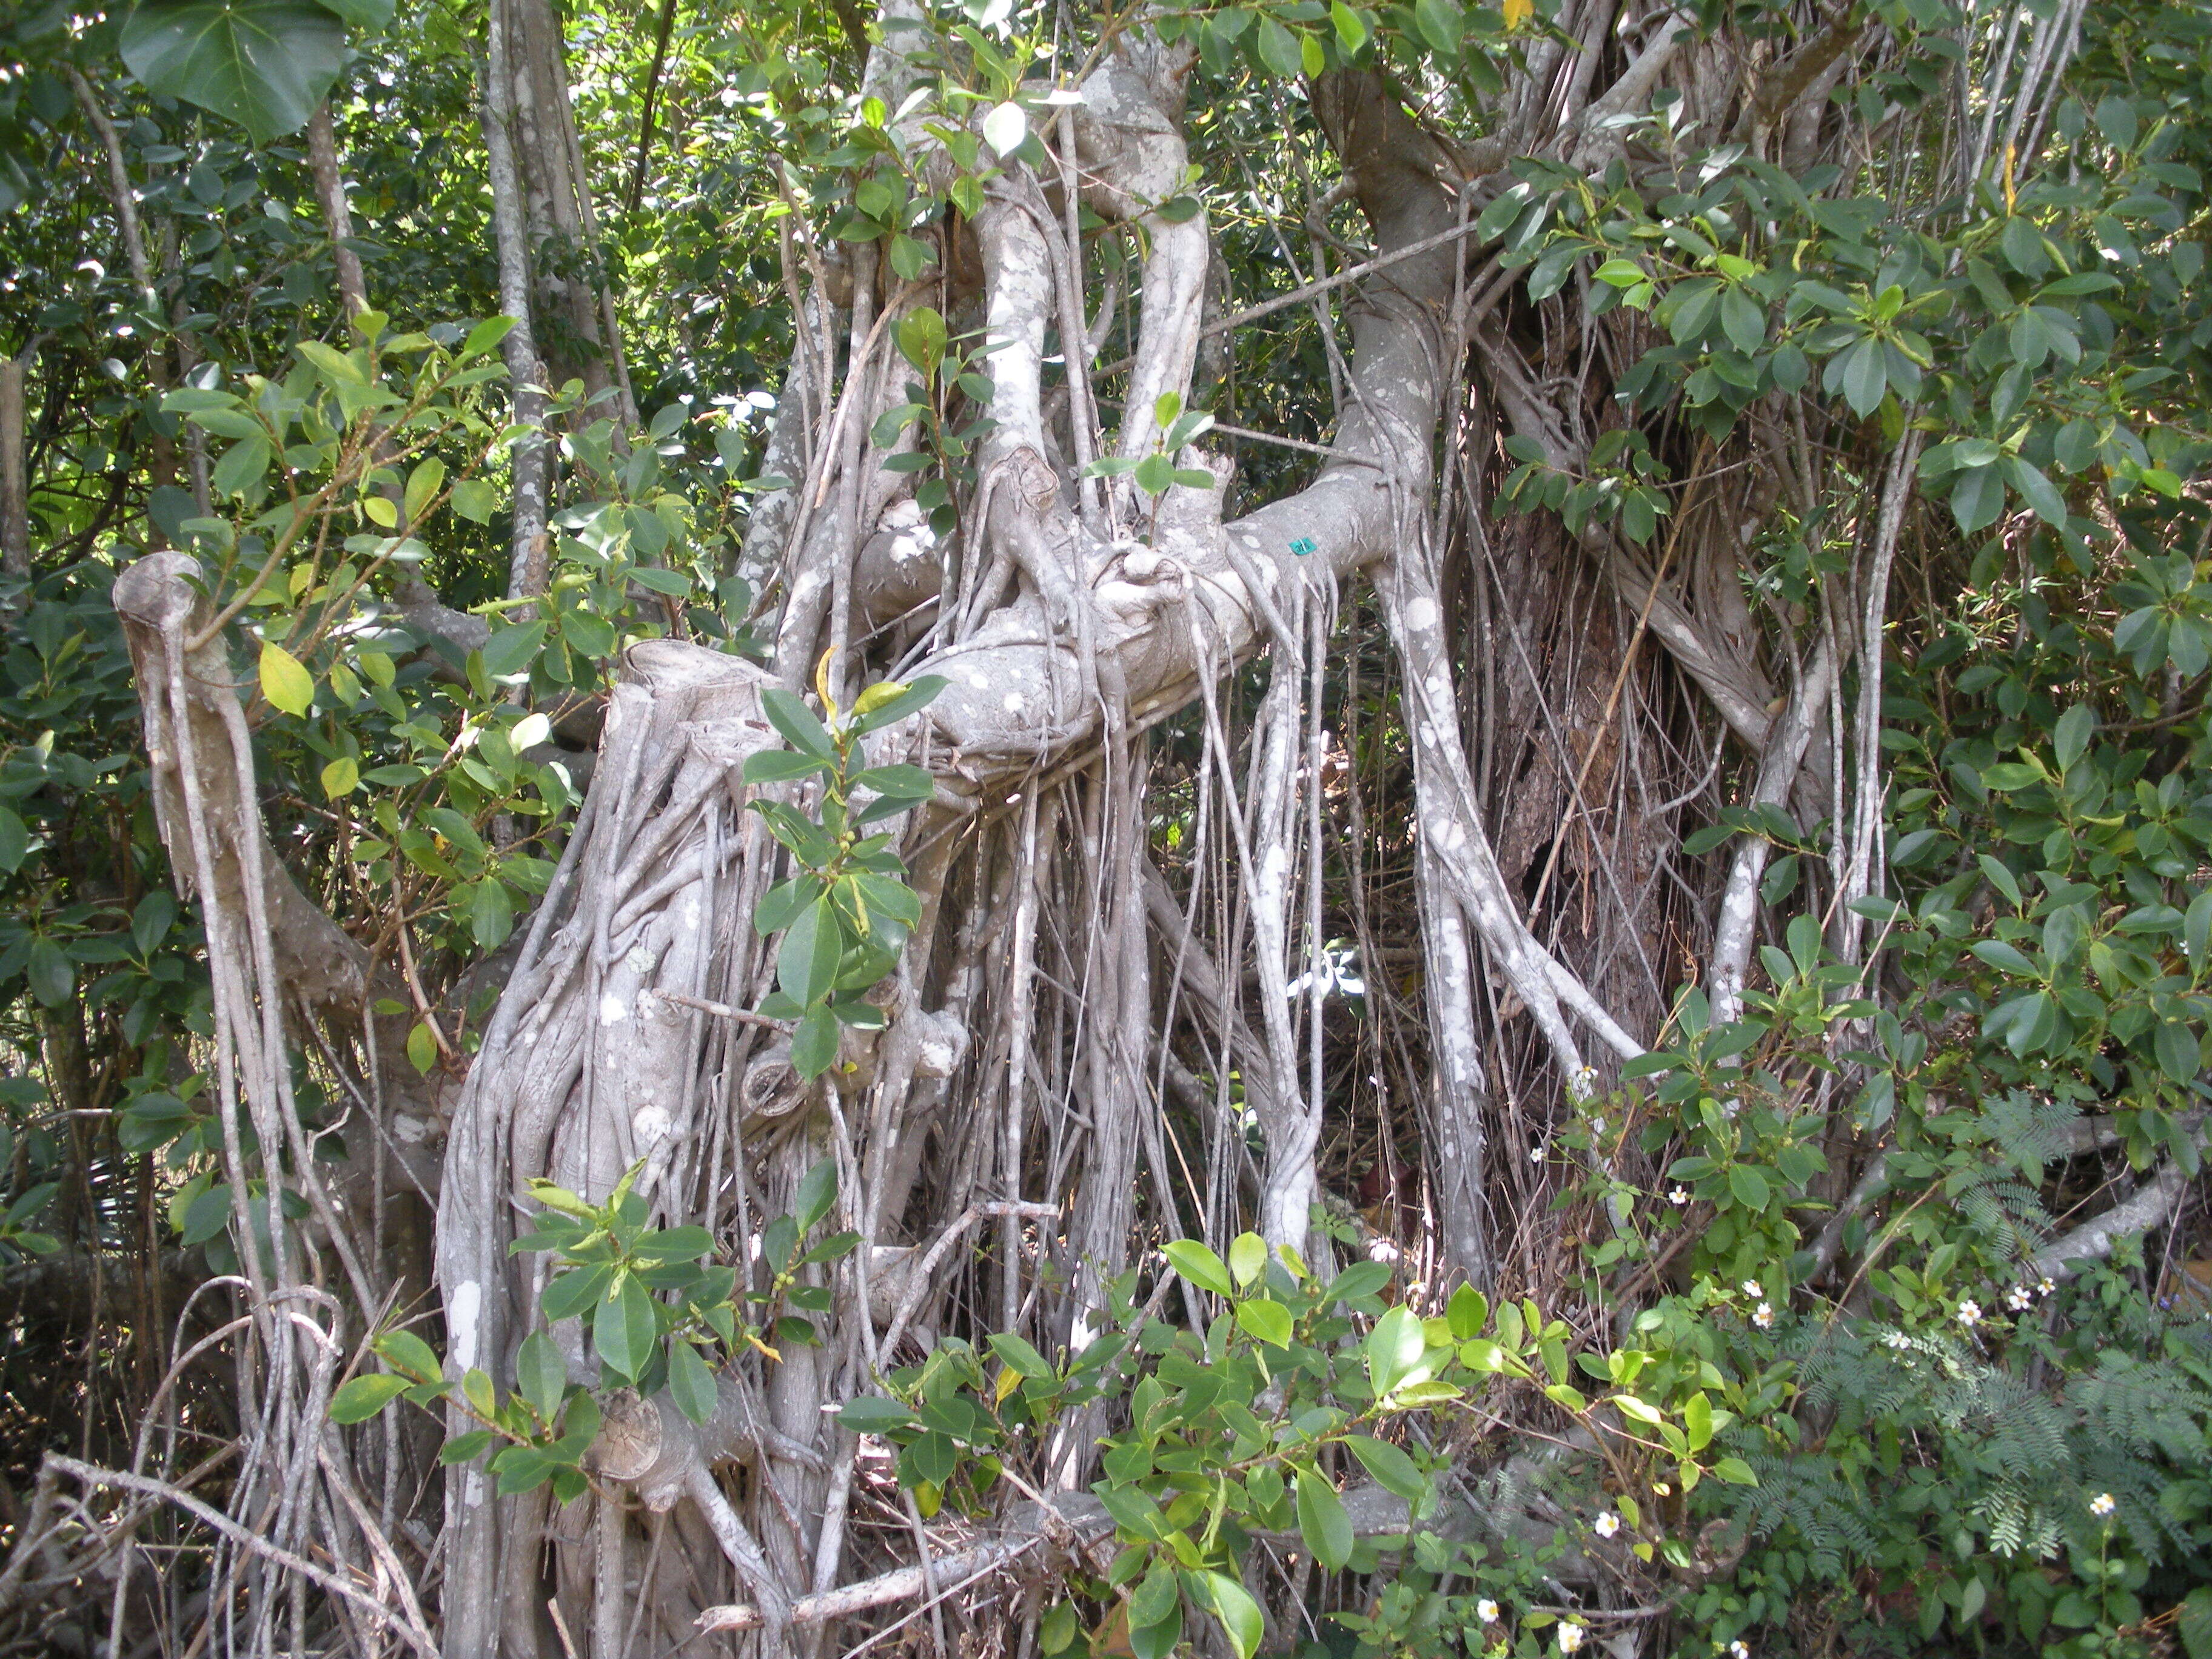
(1977, 497)
(1361, 1279)
(1198, 1264)
(241, 465)
(521, 1469)
(2036, 491)
(624, 1328)
(869, 1415)
(919, 695)
(2001, 878)
(510, 651)
(814, 1043)
(817, 1191)
(285, 681)
(362, 1397)
(1440, 23)
(2004, 958)
(781, 765)
(409, 1353)
(1266, 1321)
(362, 14)
(1278, 49)
(1747, 1186)
(921, 338)
(1248, 1257)
(807, 962)
(15, 845)
(263, 63)
(1020, 1356)
(2196, 931)
(2070, 738)
(1392, 1469)
(1155, 1597)
(797, 723)
(423, 484)
(1862, 375)
(1698, 1421)
(486, 335)
(1057, 1633)
(1154, 474)
(1394, 1349)
(2177, 1050)
(900, 782)
(2196, 1623)
(1736, 1472)
(1321, 1520)
(465, 1447)
(541, 1375)
(1233, 1605)
(690, 1384)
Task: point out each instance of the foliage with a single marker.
(614, 1270)
(846, 913)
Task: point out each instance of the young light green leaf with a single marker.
(1248, 1257)
(1198, 1264)
(285, 680)
(364, 1397)
(1266, 1321)
(1394, 1350)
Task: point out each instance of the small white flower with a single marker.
(1679, 1197)
(1739, 1650)
(2044, 1286)
(1607, 1524)
(2102, 1503)
(1581, 1085)
(1969, 1313)
(1752, 1290)
(1487, 1610)
(1571, 1638)
(2018, 1298)
(1536, 1153)
(1899, 1341)
(1764, 1315)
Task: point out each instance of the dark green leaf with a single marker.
(797, 723)
(1393, 1470)
(263, 63)
(624, 1329)
(690, 1384)
(1322, 1522)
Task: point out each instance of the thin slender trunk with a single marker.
(329, 190)
(15, 489)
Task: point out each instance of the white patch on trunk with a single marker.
(651, 1124)
(613, 1010)
(461, 1322)
(1421, 614)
